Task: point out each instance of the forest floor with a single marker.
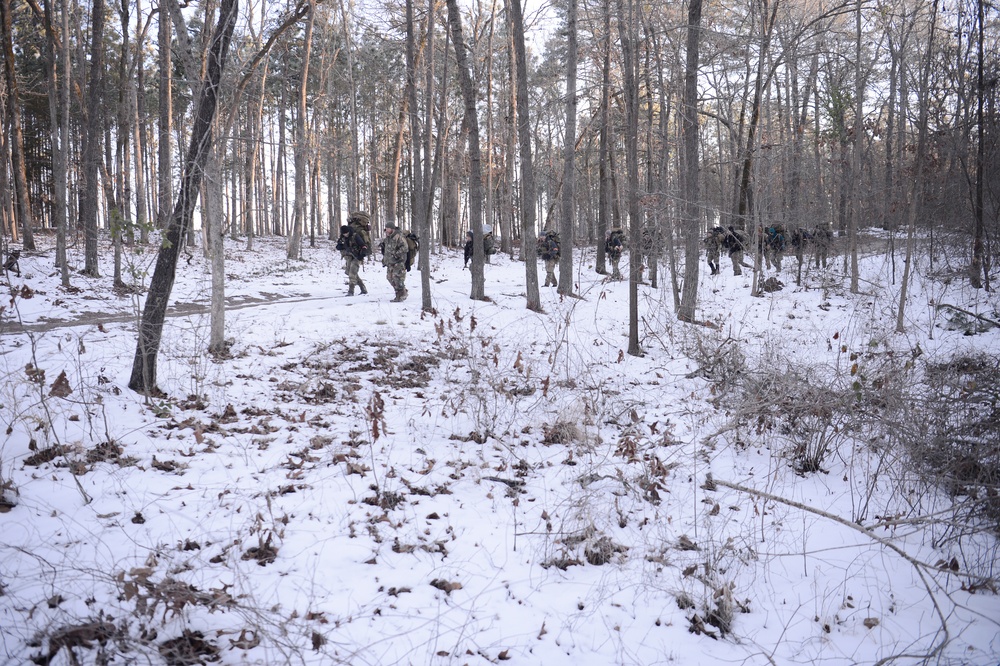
(362, 482)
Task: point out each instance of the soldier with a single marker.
(774, 246)
(354, 245)
(735, 242)
(394, 253)
(822, 240)
(713, 246)
(800, 239)
(548, 250)
(613, 248)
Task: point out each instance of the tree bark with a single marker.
(24, 214)
(528, 194)
(301, 143)
(93, 131)
(918, 163)
(164, 158)
(568, 218)
(690, 185)
(627, 35)
(143, 378)
(475, 155)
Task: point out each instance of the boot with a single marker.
(400, 295)
(362, 285)
(350, 290)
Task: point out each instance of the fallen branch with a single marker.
(918, 566)
(966, 312)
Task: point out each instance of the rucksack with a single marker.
(615, 242)
(489, 244)
(360, 242)
(548, 246)
(412, 246)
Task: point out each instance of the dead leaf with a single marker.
(870, 622)
(60, 387)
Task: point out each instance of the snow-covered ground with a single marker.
(366, 483)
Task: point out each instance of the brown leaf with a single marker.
(60, 387)
(503, 656)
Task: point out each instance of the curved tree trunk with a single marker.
(143, 378)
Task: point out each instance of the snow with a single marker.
(366, 483)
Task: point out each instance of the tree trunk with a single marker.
(528, 194)
(475, 156)
(690, 186)
(977, 269)
(918, 162)
(859, 136)
(568, 219)
(164, 158)
(143, 378)
(603, 171)
(56, 56)
(301, 143)
(93, 131)
(627, 35)
(24, 214)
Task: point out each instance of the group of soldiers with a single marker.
(354, 244)
(398, 252)
(772, 243)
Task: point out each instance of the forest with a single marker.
(212, 451)
(657, 118)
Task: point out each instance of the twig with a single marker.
(918, 566)
(966, 312)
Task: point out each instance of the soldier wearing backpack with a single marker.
(548, 249)
(774, 246)
(395, 251)
(735, 243)
(613, 246)
(822, 241)
(713, 248)
(355, 245)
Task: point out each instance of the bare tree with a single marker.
(93, 130)
(24, 215)
(919, 159)
(690, 186)
(301, 142)
(568, 218)
(143, 377)
(627, 34)
(528, 192)
(475, 157)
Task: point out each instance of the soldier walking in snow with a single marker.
(394, 253)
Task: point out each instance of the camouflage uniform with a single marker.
(548, 250)
(394, 254)
(613, 247)
(800, 238)
(350, 254)
(774, 247)
(735, 242)
(468, 249)
(713, 248)
(822, 240)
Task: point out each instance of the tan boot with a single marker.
(362, 285)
